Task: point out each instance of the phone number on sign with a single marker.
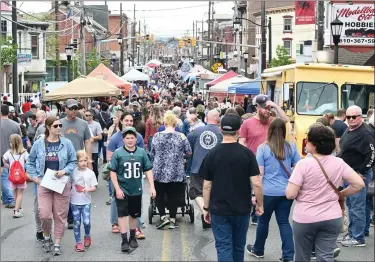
(358, 40)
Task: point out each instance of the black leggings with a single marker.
(172, 191)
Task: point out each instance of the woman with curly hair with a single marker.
(152, 124)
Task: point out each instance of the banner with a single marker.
(359, 26)
(305, 12)
(24, 59)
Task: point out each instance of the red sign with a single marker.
(305, 12)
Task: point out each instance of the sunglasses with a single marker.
(88, 115)
(58, 125)
(352, 117)
(73, 108)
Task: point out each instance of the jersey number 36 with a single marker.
(132, 170)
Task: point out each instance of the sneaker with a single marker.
(108, 202)
(372, 224)
(164, 222)
(144, 225)
(87, 241)
(20, 211)
(313, 256)
(343, 238)
(172, 225)
(205, 225)
(39, 236)
(353, 243)
(133, 242)
(254, 223)
(70, 225)
(11, 205)
(284, 260)
(139, 234)
(56, 251)
(80, 248)
(125, 246)
(17, 214)
(250, 250)
(47, 244)
(336, 252)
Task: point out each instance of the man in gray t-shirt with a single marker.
(7, 128)
(97, 134)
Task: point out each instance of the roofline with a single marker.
(319, 66)
(280, 8)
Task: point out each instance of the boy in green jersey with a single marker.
(127, 166)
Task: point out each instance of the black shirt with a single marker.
(198, 102)
(339, 127)
(357, 149)
(229, 167)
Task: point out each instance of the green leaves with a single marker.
(8, 52)
(282, 57)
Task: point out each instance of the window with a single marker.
(288, 46)
(35, 46)
(3, 29)
(287, 24)
(316, 98)
(359, 95)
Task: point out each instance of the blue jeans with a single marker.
(357, 211)
(110, 188)
(369, 205)
(281, 206)
(7, 192)
(230, 236)
(81, 213)
(102, 147)
(254, 217)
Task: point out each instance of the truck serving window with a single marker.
(316, 98)
(358, 94)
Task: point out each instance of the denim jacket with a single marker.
(37, 158)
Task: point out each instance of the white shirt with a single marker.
(80, 180)
(10, 159)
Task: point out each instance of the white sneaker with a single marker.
(17, 214)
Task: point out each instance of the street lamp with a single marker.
(113, 60)
(336, 29)
(119, 39)
(245, 56)
(69, 53)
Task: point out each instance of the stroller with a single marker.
(184, 204)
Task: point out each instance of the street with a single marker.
(187, 243)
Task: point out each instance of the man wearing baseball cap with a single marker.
(227, 191)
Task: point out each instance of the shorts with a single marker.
(129, 206)
(17, 186)
(196, 186)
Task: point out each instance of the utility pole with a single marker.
(269, 41)
(144, 42)
(320, 40)
(201, 44)
(212, 32)
(196, 47)
(209, 34)
(82, 41)
(193, 29)
(122, 43)
(57, 43)
(263, 30)
(138, 45)
(15, 69)
(133, 41)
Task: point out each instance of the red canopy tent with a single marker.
(104, 73)
(152, 65)
(226, 76)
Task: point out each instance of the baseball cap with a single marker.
(71, 102)
(230, 122)
(135, 103)
(12, 109)
(260, 100)
(129, 130)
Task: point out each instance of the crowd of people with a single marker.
(240, 165)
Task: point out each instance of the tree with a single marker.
(92, 61)
(8, 52)
(282, 57)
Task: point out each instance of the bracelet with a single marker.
(205, 208)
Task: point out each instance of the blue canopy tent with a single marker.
(248, 88)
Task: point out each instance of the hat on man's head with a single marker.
(136, 103)
(12, 109)
(230, 122)
(260, 100)
(129, 130)
(71, 102)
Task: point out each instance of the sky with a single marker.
(173, 22)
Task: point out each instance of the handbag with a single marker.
(284, 167)
(341, 200)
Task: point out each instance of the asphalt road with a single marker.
(187, 243)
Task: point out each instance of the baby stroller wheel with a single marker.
(191, 213)
(150, 215)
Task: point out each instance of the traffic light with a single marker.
(193, 42)
(147, 37)
(180, 43)
(189, 41)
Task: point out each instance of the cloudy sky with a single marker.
(163, 18)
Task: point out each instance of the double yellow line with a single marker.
(167, 244)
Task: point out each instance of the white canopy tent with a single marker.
(222, 87)
(135, 75)
(154, 61)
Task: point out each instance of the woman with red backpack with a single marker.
(15, 159)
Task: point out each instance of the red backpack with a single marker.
(17, 174)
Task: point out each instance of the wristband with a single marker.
(205, 208)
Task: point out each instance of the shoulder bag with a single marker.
(341, 200)
(284, 167)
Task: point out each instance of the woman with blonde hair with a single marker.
(16, 153)
(115, 126)
(152, 124)
(168, 151)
